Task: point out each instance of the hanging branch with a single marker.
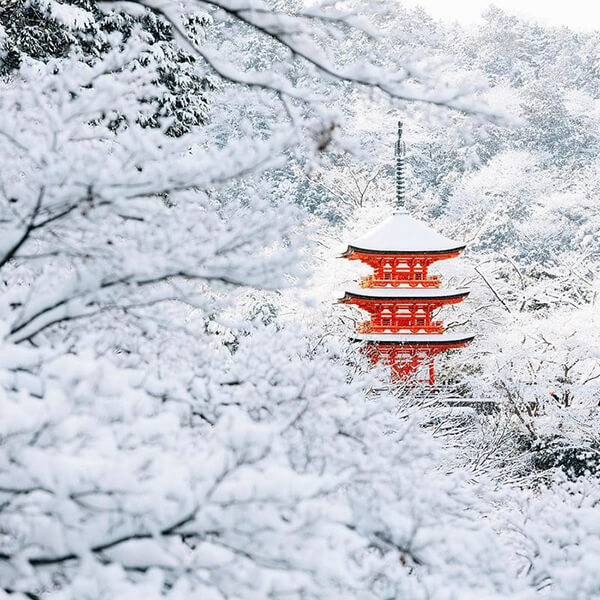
(492, 289)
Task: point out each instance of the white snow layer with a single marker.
(407, 292)
(415, 338)
(68, 15)
(401, 232)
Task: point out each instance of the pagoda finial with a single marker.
(400, 153)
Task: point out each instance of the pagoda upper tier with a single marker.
(403, 234)
(400, 250)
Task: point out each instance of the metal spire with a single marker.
(400, 152)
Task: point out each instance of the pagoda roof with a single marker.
(403, 234)
(408, 339)
(405, 293)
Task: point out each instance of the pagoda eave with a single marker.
(440, 342)
(351, 251)
(399, 295)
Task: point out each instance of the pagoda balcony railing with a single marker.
(371, 281)
(433, 327)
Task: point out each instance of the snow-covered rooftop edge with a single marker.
(403, 233)
(406, 293)
(440, 338)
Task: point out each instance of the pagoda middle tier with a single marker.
(398, 309)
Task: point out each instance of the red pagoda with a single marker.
(400, 296)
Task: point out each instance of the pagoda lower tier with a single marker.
(410, 357)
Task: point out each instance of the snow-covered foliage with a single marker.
(43, 30)
(180, 413)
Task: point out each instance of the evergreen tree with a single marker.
(43, 30)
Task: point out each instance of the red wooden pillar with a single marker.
(431, 372)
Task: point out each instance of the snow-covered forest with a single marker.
(182, 412)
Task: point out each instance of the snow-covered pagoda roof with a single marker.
(398, 293)
(431, 339)
(402, 233)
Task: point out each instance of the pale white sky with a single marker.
(583, 15)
